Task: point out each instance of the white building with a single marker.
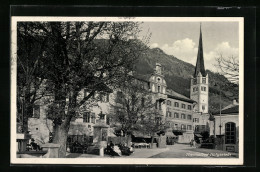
(226, 127)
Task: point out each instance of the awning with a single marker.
(198, 135)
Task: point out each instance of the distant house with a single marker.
(226, 126)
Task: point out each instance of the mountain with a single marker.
(178, 73)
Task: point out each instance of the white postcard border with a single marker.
(132, 161)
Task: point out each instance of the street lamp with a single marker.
(220, 126)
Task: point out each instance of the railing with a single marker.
(181, 129)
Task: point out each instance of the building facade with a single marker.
(226, 127)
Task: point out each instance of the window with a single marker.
(160, 105)
(101, 115)
(36, 111)
(169, 102)
(108, 121)
(86, 117)
(203, 107)
(194, 81)
(156, 104)
(158, 120)
(159, 89)
(230, 133)
(189, 117)
(189, 127)
(167, 124)
(176, 115)
(176, 104)
(189, 107)
(203, 88)
(119, 97)
(183, 127)
(183, 106)
(107, 97)
(196, 120)
(168, 114)
(183, 116)
(93, 118)
(204, 80)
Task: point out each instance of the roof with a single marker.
(174, 95)
(200, 60)
(228, 111)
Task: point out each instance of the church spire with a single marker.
(200, 60)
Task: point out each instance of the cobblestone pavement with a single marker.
(172, 151)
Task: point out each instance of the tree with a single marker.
(134, 109)
(84, 55)
(30, 46)
(132, 103)
(229, 67)
(154, 124)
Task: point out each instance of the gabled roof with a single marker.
(233, 110)
(174, 95)
(200, 60)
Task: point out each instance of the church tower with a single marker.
(199, 91)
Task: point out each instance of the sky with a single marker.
(181, 39)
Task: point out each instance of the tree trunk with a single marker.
(60, 136)
(61, 128)
(152, 141)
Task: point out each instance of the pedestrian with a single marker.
(34, 145)
(191, 142)
(194, 143)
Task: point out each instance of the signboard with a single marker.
(230, 148)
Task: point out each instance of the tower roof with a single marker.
(200, 60)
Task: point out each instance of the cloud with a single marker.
(184, 49)
(154, 45)
(223, 48)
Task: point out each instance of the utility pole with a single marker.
(220, 119)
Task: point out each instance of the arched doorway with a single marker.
(230, 133)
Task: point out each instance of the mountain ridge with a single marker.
(178, 73)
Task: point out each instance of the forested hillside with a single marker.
(178, 73)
